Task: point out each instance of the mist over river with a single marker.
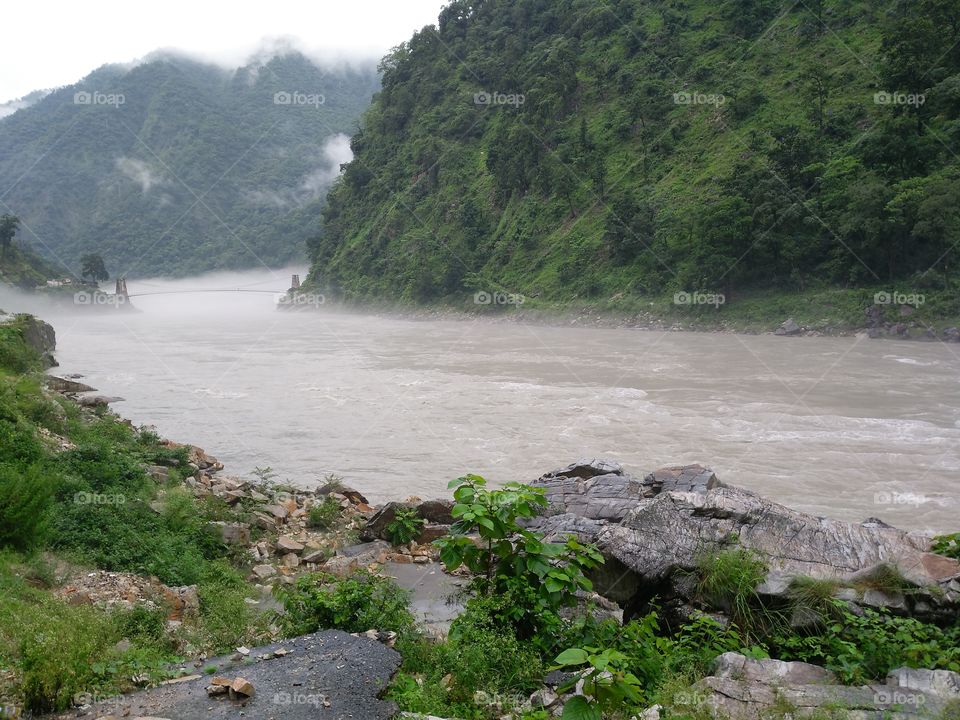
(846, 427)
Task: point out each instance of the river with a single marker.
(845, 427)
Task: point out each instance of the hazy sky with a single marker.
(49, 44)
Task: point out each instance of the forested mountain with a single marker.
(174, 166)
(589, 148)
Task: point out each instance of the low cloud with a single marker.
(335, 152)
(139, 172)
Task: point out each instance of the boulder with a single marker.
(64, 385)
(788, 327)
(286, 544)
(232, 533)
(436, 511)
(264, 572)
(97, 401)
(652, 533)
(747, 689)
(354, 496)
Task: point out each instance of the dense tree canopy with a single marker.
(578, 148)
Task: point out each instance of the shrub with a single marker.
(405, 526)
(361, 602)
(727, 580)
(26, 501)
(948, 545)
(324, 515)
(512, 561)
(861, 648)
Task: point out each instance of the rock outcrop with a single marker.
(746, 689)
(653, 532)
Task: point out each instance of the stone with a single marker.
(586, 469)
(652, 532)
(97, 401)
(232, 533)
(788, 327)
(158, 473)
(438, 512)
(429, 533)
(354, 496)
(773, 672)
(747, 689)
(265, 522)
(315, 556)
(290, 560)
(243, 687)
(277, 511)
(63, 385)
(543, 698)
(286, 544)
(264, 572)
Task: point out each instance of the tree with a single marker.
(92, 267)
(9, 224)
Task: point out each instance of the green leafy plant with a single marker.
(608, 686)
(324, 515)
(511, 560)
(862, 648)
(361, 602)
(948, 545)
(405, 526)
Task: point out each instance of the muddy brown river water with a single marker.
(845, 427)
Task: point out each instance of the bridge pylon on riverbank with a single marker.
(122, 289)
(295, 282)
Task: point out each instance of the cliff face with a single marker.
(27, 342)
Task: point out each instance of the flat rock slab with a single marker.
(329, 674)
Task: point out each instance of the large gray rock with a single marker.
(746, 689)
(671, 531)
(652, 533)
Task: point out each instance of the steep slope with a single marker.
(174, 166)
(589, 149)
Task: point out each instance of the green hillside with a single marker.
(607, 151)
(174, 167)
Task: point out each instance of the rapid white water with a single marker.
(845, 427)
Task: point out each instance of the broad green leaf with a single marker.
(572, 656)
(578, 708)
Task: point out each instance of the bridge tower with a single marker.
(295, 282)
(122, 289)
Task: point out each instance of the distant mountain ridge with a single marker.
(174, 166)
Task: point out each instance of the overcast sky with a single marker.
(49, 44)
